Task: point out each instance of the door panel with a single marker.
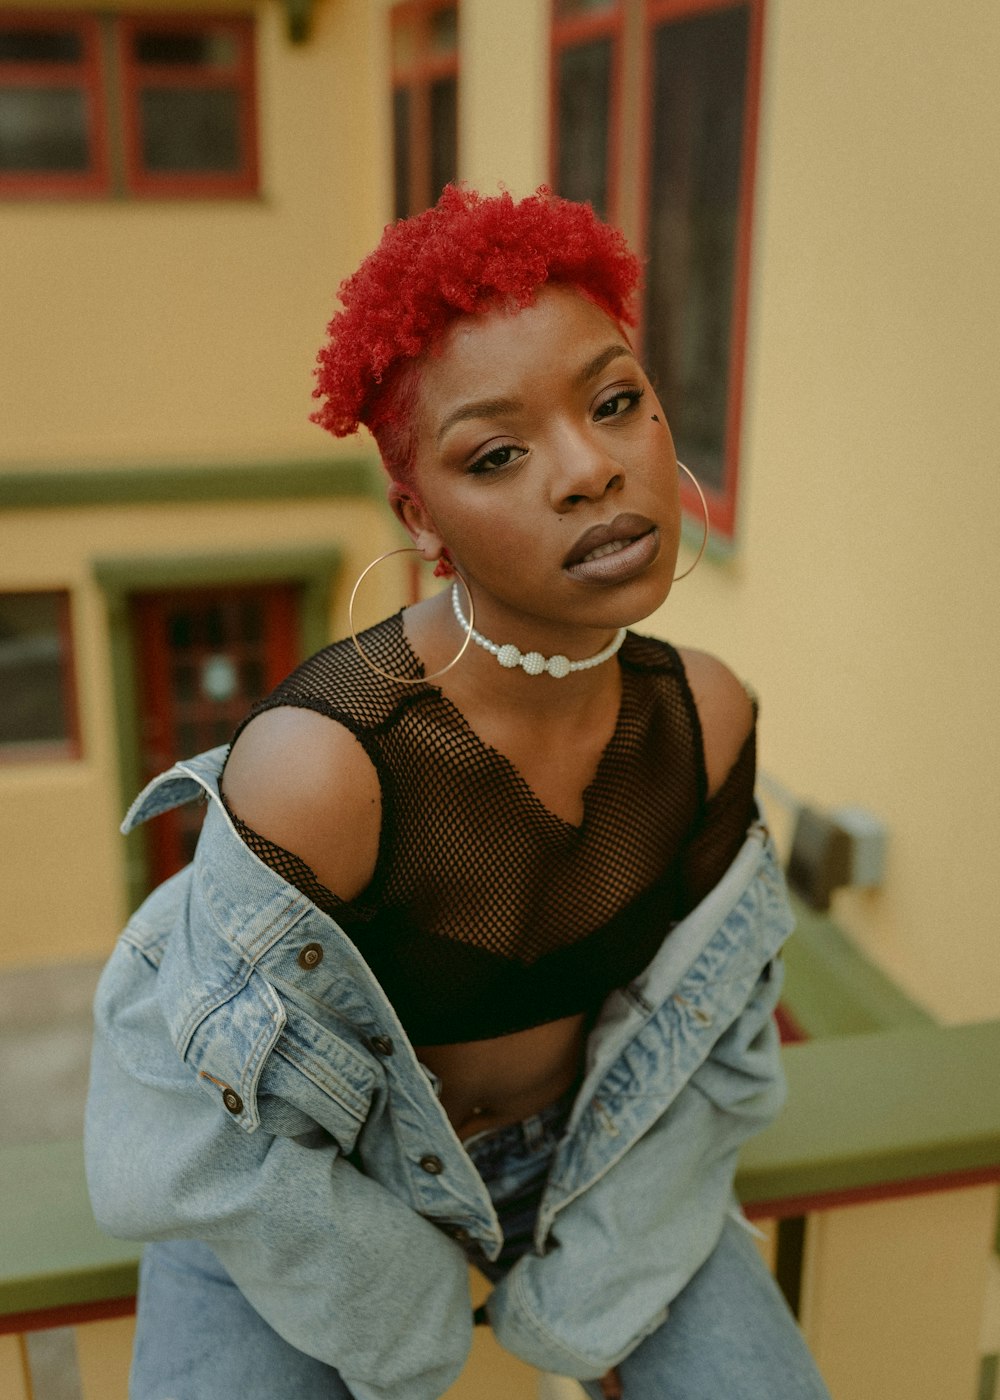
(205, 656)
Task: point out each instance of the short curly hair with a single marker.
(464, 256)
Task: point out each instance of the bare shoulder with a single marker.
(724, 708)
(304, 782)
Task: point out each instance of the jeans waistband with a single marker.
(492, 1150)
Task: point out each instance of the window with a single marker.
(135, 105)
(676, 170)
(424, 102)
(38, 709)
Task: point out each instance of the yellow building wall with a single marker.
(186, 330)
(63, 892)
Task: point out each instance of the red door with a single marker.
(205, 655)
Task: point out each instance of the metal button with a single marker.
(310, 956)
(232, 1101)
(382, 1044)
(432, 1164)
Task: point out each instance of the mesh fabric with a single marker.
(487, 913)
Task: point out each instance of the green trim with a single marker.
(989, 1373)
(53, 1253)
(339, 476)
(831, 988)
(789, 1259)
(870, 1111)
(312, 567)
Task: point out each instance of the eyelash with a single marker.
(634, 397)
(482, 466)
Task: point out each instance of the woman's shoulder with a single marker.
(304, 782)
(726, 709)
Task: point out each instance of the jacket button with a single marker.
(232, 1101)
(432, 1164)
(310, 956)
(382, 1044)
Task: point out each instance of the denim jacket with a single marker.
(252, 1087)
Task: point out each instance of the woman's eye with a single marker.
(497, 457)
(618, 403)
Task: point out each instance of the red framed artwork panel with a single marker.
(586, 35)
(720, 478)
(188, 91)
(424, 42)
(53, 116)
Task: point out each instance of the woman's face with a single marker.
(545, 465)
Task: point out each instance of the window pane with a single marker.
(699, 78)
(401, 152)
(190, 129)
(43, 129)
(444, 31)
(584, 7)
(35, 708)
(40, 45)
(584, 110)
(444, 133)
(186, 48)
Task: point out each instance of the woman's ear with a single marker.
(416, 519)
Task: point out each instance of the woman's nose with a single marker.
(586, 473)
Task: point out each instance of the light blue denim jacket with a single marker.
(252, 1087)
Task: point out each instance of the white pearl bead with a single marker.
(533, 663)
(509, 656)
(558, 666)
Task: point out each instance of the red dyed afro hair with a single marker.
(460, 258)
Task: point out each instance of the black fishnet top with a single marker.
(487, 913)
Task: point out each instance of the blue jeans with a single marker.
(729, 1333)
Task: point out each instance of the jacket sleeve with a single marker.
(313, 1244)
(626, 1247)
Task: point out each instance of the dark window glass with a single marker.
(566, 8)
(190, 129)
(584, 107)
(40, 46)
(699, 81)
(401, 151)
(444, 31)
(34, 670)
(185, 48)
(43, 129)
(444, 133)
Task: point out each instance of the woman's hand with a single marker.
(611, 1385)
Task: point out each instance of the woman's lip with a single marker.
(622, 565)
(623, 527)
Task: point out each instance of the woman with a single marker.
(476, 958)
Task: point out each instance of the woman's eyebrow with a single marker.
(601, 361)
(481, 408)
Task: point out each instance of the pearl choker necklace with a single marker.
(533, 662)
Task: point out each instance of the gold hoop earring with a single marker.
(704, 538)
(407, 680)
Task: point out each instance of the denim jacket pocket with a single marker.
(313, 1077)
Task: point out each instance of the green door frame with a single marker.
(313, 568)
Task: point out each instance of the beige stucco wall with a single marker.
(858, 599)
(187, 330)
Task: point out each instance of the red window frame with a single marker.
(416, 76)
(86, 76)
(70, 746)
(631, 24)
(721, 503)
(570, 31)
(241, 76)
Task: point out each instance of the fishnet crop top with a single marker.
(487, 913)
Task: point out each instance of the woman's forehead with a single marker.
(560, 331)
